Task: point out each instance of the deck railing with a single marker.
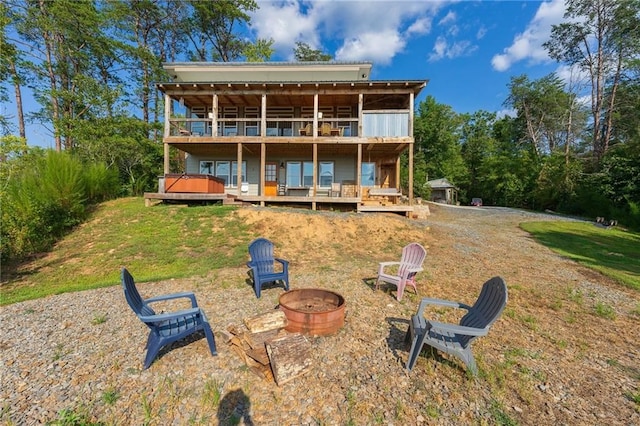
(375, 123)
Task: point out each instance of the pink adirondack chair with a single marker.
(410, 264)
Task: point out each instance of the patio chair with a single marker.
(306, 130)
(325, 129)
(410, 264)
(456, 339)
(335, 189)
(263, 264)
(166, 328)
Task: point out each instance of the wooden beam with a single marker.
(359, 171)
(411, 175)
(263, 162)
(214, 115)
(360, 112)
(239, 170)
(315, 168)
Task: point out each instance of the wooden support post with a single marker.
(263, 165)
(214, 115)
(239, 169)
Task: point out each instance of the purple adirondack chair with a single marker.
(410, 264)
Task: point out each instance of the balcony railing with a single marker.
(375, 124)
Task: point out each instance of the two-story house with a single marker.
(314, 134)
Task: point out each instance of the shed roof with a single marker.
(441, 183)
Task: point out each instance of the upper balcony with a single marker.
(298, 112)
(380, 124)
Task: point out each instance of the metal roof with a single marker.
(440, 183)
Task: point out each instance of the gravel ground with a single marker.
(548, 360)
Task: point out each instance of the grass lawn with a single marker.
(613, 252)
(173, 241)
(162, 242)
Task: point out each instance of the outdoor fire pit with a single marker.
(313, 311)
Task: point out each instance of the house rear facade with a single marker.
(315, 134)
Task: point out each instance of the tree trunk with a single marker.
(612, 101)
(55, 107)
(18, 90)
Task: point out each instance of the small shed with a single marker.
(443, 191)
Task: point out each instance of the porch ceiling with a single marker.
(373, 151)
(377, 95)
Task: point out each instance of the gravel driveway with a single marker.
(550, 359)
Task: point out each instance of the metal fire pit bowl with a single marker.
(313, 311)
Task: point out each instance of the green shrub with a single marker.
(46, 195)
(101, 183)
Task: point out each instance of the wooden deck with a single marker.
(309, 202)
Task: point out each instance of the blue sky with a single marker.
(468, 50)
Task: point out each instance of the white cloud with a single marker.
(572, 76)
(443, 49)
(510, 112)
(374, 46)
(419, 27)
(528, 45)
(285, 24)
(482, 31)
(448, 18)
(375, 31)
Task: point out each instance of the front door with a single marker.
(271, 179)
(387, 176)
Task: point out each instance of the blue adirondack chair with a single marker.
(166, 328)
(263, 265)
(456, 339)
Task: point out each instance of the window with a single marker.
(300, 173)
(222, 171)
(197, 127)
(230, 127)
(294, 175)
(307, 174)
(234, 173)
(251, 127)
(345, 125)
(325, 174)
(368, 177)
(271, 172)
(206, 167)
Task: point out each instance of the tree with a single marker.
(146, 27)
(437, 143)
(550, 117)
(72, 63)
(626, 119)
(477, 147)
(9, 72)
(212, 28)
(513, 169)
(304, 53)
(598, 37)
(260, 51)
